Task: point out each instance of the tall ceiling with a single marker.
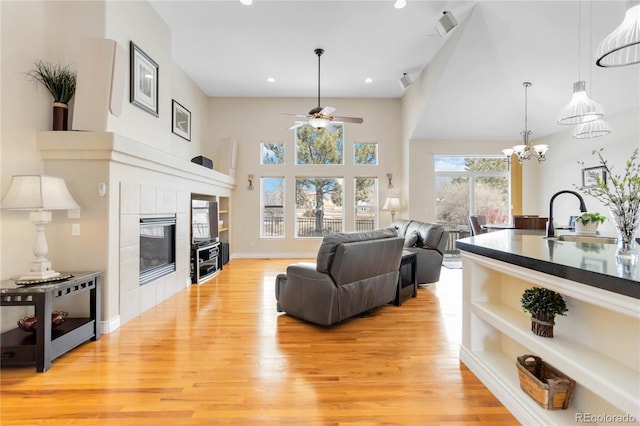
(229, 50)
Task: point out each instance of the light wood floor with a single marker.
(219, 353)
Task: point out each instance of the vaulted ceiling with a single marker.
(229, 50)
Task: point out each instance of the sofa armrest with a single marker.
(442, 244)
(307, 294)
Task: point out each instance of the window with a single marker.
(471, 185)
(319, 146)
(271, 153)
(366, 201)
(272, 208)
(365, 153)
(318, 206)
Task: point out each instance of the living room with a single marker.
(52, 31)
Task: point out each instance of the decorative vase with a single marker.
(587, 228)
(626, 224)
(60, 116)
(542, 324)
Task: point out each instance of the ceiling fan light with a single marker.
(318, 123)
(580, 108)
(592, 129)
(399, 4)
(622, 46)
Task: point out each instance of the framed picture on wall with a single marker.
(181, 120)
(143, 80)
(589, 176)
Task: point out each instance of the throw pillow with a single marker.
(411, 238)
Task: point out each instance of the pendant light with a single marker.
(594, 128)
(580, 108)
(622, 46)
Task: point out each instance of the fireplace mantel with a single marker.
(117, 180)
(75, 145)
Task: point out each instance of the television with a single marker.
(204, 221)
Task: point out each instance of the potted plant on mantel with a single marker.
(587, 223)
(543, 305)
(61, 83)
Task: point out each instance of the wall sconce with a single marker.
(250, 179)
(390, 177)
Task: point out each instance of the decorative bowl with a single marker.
(29, 322)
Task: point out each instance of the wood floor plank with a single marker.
(219, 353)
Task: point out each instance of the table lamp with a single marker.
(393, 205)
(39, 194)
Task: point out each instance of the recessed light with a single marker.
(368, 80)
(246, 2)
(271, 80)
(399, 4)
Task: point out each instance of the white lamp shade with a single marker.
(622, 46)
(391, 203)
(29, 192)
(580, 108)
(592, 129)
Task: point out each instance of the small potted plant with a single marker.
(587, 223)
(61, 83)
(543, 305)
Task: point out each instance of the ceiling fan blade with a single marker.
(348, 119)
(295, 115)
(327, 110)
(295, 126)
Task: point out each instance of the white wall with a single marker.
(53, 32)
(251, 121)
(562, 171)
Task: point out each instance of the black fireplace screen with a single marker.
(157, 247)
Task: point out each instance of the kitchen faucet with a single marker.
(551, 232)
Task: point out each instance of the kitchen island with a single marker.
(597, 343)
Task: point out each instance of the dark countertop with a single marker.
(590, 264)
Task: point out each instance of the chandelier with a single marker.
(526, 150)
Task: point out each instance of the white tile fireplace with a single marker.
(141, 181)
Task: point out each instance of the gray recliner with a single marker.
(354, 272)
(428, 241)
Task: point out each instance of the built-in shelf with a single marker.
(596, 343)
(620, 383)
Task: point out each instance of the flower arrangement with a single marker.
(58, 80)
(622, 197)
(587, 217)
(543, 305)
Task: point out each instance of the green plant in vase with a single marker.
(543, 305)
(621, 195)
(587, 223)
(61, 83)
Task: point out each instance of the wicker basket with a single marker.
(549, 387)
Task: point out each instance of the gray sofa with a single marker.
(428, 241)
(354, 272)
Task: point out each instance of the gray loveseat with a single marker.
(428, 241)
(354, 272)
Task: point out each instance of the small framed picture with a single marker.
(589, 176)
(143, 80)
(181, 121)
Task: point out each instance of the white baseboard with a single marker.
(296, 255)
(107, 327)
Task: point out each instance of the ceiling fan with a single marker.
(320, 117)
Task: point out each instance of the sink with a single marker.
(588, 239)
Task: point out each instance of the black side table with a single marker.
(407, 283)
(46, 343)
